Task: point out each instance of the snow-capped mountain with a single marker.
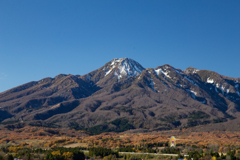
(114, 71)
(122, 90)
(123, 67)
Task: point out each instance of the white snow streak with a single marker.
(108, 72)
(190, 81)
(178, 71)
(158, 71)
(152, 85)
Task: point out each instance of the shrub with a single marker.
(101, 152)
(10, 157)
(171, 150)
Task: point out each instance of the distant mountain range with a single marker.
(124, 95)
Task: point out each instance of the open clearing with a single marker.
(76, 145)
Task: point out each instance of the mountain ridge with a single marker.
(123, 95)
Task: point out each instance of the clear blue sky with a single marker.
(43, 38)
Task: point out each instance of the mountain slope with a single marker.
(123, 95)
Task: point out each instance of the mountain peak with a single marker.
(124, 67)
(122, 60)
(191, 70)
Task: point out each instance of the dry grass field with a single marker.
(37, 137)
(73, 145)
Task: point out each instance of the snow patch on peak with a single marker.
(195, 70)
(210, 80)
(116, 60)
(223, 87)
(186, 77)
(125, 67)
(228, 90)
(165, 73)
(119, 76)
(193, 93)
